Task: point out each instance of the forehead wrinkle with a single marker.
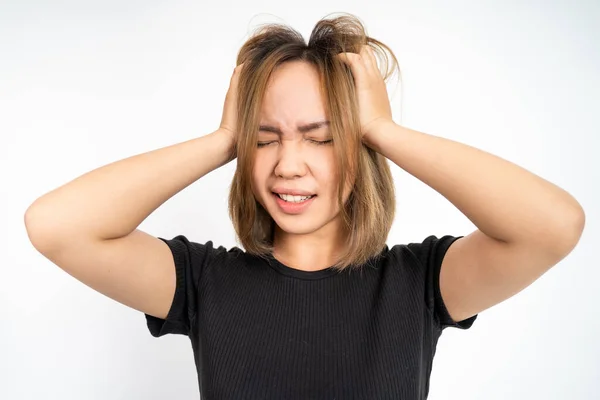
(304, 128)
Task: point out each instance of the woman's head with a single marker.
(298, 131)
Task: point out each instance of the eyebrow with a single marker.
(301, 128)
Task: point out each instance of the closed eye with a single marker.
(317, 142)
(321, 142)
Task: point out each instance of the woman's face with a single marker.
(289, 156)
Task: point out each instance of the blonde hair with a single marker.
(369, 211)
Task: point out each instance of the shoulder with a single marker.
(200, 251)
(431, 248)
(421, 257)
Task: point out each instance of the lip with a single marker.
(293, 208)
(293, 192)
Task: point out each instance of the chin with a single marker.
(297, 226)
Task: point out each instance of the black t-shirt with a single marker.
(262, 330)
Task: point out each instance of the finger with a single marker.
(356, 63)
(369, 55)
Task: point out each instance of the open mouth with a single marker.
(294, 199)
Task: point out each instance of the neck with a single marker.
(308, 252)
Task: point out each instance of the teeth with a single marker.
(293, 199)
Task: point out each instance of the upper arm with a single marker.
(479, 271)
(137, 270)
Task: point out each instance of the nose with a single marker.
(290, 160)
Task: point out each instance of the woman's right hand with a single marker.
(229, 119)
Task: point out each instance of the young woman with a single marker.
(317, 306)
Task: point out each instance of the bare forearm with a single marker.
(111, 201)
(502, 199)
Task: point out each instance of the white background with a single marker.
(85, 83)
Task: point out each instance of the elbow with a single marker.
(38, 229)
(578, 225)
(572, 232)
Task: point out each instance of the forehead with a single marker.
(293, 96)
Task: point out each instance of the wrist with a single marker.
(375, 137)
(227, 140)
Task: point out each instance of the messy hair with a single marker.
(368, 213)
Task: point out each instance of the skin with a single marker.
(309, 241)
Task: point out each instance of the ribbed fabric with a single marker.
(262, 330)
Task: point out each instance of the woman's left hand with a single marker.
(371, 91)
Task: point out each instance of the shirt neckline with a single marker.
(297, 273)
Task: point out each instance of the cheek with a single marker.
(326, 180)
(259, 179)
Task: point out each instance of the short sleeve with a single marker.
(430, 254)
(190, 260)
